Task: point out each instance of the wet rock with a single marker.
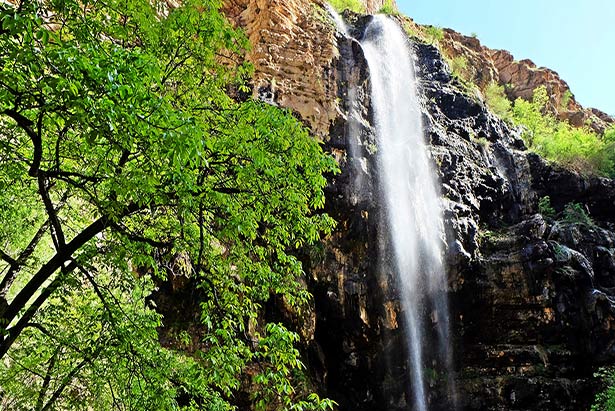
(531, 298)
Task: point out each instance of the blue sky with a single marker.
(576, 38)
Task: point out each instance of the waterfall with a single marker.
(410, 198)
(337, 19)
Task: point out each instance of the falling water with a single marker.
(337, 19)
(411, 198)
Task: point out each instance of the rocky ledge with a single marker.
(520, 78)
(532, 297)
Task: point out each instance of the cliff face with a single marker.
(293, 52)
(293, 48)
(520, 78)
(532, 297)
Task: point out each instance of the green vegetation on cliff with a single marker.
(497, 100)
(352, 5)
(123, 161)
(605, 400)
(579, 149)
(433, 34)
(388, 8)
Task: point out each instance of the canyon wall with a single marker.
(292, 51)
(531, 295)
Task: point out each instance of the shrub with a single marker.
(605, 400)
(411, 31)
(566, 97)
(497, 101)
(575, 213)
(545, 208)
(388, 8)
(459, 67)
(579, 149)
(352, 5)
(608, 140)
(433, 34)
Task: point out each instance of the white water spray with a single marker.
(409, 187)
(337, 19)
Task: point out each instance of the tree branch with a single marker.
(141, 239)
(8, 279)
(52, 266)
(68, 174)
(46, 380)
(69, 377)
(97, 290)
(26, 125)
(7, 258)
(44, 273)
(57, 232)
(14, 332)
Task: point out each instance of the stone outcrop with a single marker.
(293, 48)
(520, 78)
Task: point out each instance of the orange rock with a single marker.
(521, 78)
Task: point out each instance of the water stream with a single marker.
(411, 198)
(337, 19)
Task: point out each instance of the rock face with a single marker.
(532, 296)
(293, 52)
(521, 78)
(293, 48)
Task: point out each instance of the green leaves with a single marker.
(279, 370)
(577, 148)
(123, 157)
(352, 5)
(605, 400)
(495, 97)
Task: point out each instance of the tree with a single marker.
(605, 399)
(121, 148)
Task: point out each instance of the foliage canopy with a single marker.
(120, 150)
(497, 100)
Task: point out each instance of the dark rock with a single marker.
(532, 300)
